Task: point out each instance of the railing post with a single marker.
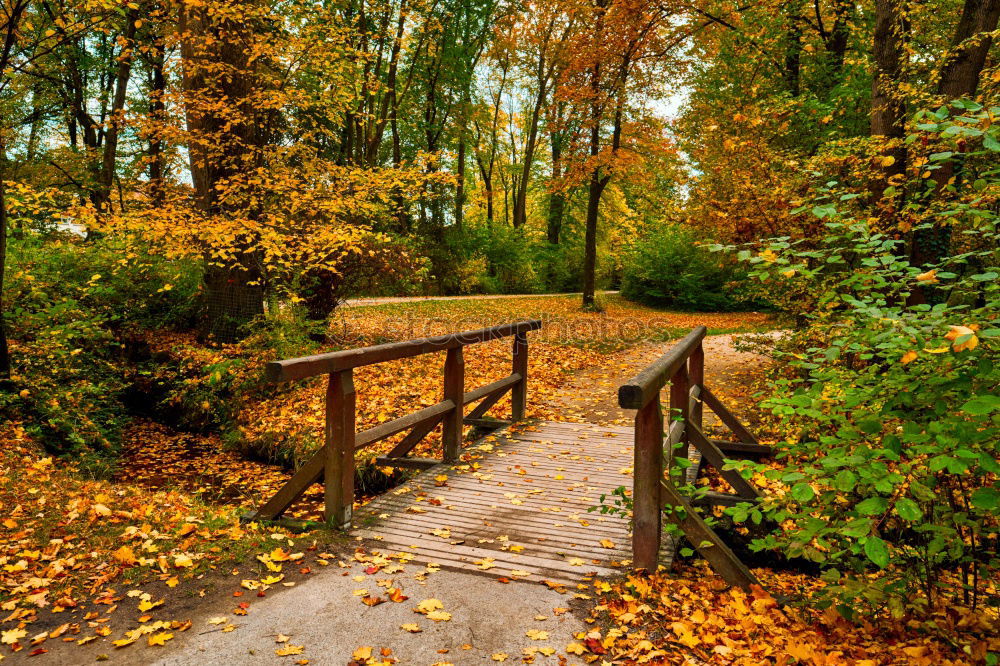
(454, 390)
(647, 475)
(339, 465)
(519, 394)
(679, 407)
(697, 378)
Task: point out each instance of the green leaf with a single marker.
(845, 480)
(986, 498)
(909, 510)
(981, 405)
(877, 551)
(802, 492)
(872, 506)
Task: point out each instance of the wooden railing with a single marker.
(683, 367)
(334, 462)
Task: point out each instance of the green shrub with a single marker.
(670, 268)
(486, 259)
(891, 410)
(73, 309)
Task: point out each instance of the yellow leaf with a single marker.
(607, 543)
(970, 340)
(575, 648)
(908, 357)
(363, 653)
(146, 604)
(412, 628)
(182, 561)
(537, 634)
(160, 638)
(439, 616)
(279, 555)
(290, 650)
(125, 555)
(428, 605)
(929, 277)
(12, 636)
(499, 656)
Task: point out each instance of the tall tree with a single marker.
(615, 61)
(226, 134)
(888, 115)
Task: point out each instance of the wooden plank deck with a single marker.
(518, 508)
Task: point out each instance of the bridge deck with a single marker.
(519, 508)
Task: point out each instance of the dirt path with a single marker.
(592, 394)
(361, 302)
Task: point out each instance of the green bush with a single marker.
(670, 268)
(486, 259)
(891, 410)
(73, 310)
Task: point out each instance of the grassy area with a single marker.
(620, 324)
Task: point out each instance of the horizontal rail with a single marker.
(501, 385)
(321, 364)
(390, 428)
(642, 388)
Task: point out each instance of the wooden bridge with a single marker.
(518, 503)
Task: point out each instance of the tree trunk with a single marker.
(460, 184)
(793, 48)
(4, 349)
(594, 192)
(888, 113)
(157, 112)
(234, 292)
(960, 71)
(521, 194)
(836, 41)
(110, 155)
(557, 199)
(964, 63)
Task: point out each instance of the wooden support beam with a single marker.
(679, 407)
(306, 475)
(454, 391)
(706, 541)
(762, 450)
(648, 474)
(711, 453)
(339, 469)
(480, 410)
(712, 498)
(414, 437)
(488, 423)
(519, 393)
(408, 463)
(727, 417)
(696, 378)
